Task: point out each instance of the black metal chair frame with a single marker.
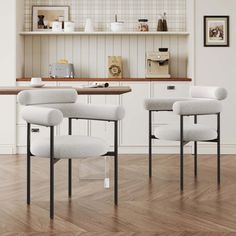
(54, 161)
(183, 143)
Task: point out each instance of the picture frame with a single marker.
(216, 31)
(43, 16)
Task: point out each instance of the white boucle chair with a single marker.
(202, 101)
(48, 107)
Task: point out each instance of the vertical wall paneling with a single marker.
(28, 56)
(76, 53)
(125, 55)
(60, 47)
(109, 49)
(89, 53)
(157, 42)
(44, 56)
(133, 59)
(84, 56)
(52, 49)
(92, 57)
(149, 43)
(117, 44)
(141, 56)
(69, 48)
(36, 56)
(182, 56)
(101, 57)
(174, 56)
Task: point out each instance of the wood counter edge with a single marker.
(109, 80)
(119, 90)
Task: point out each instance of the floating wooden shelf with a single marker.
(101, 33)
(107, 79)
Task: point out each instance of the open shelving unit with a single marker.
(103, 33)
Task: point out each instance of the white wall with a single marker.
(217, 66)
(8, 75)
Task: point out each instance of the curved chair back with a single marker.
(47, 96)
(216, 93)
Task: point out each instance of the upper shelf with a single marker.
(102, 33)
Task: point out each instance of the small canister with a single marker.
(56, 26)
(69, 26)
(143, 25)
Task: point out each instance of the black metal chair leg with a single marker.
(69, 178)
(218, 163)
(195, 151)
(116, 164)
(28, 165)
(51, 172)
(195, 159)
(150, 144)
(181, 154)
(70, 163)
(218, 150)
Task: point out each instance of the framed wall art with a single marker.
(43, 16)
(216, 31)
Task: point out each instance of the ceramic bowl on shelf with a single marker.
(36, 82)
(37, 85)
(118, 26)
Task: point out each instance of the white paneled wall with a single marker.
(102, 12)
(89, 53)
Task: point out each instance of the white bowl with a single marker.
(117, 26)
(36, 85)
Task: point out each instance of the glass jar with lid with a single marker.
(143, 25)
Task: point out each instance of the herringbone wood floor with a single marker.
(146, 207)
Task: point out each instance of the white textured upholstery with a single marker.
(88, 111)
(42, 116)
(208, 92)
(47, 96)
(197, 107)
(70, 147)
(161, 104)
(194, 132)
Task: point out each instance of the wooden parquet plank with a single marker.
(146, 207)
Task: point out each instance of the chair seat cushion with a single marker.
(70, 147)
(194, 132)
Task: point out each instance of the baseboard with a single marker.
(21, 150)
(212, 148)
(160, 150)
(7, 149)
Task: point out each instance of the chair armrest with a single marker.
(197, 107)
(42, 116)
(161, 104)
(99, 112)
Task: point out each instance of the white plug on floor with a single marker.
(106, 183)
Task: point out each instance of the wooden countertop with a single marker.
(108, 79)
(14, 90)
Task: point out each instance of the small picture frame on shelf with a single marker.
(44, 16)
(216, 31)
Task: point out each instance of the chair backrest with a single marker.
(216, 93)
(47, 96)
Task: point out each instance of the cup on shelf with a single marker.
(36, 81)
(89, 26)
